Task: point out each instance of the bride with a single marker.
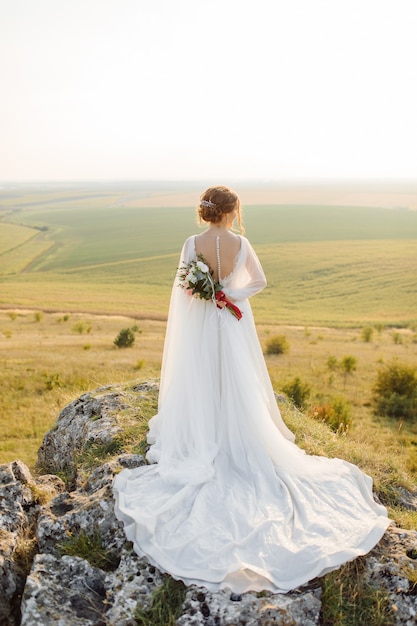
(228, 500)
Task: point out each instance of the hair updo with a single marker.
(216, 202)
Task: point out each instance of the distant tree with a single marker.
(125, 338)
(348, 364)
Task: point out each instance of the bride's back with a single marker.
(228, 245)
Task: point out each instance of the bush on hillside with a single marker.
(125, 338)
(82, 327)
(397, 337)
(298, 392)
(332, 363)
(336, 414)
(348, 364)
(278, 344)
(395, 391)
(367, 334)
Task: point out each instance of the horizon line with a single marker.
(243, 181)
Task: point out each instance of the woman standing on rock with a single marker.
(228, 499)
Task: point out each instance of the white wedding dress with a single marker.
(228, 499)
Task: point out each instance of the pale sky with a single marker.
(208, 89)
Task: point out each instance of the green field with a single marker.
(104, 250)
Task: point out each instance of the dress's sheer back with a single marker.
(220, 251)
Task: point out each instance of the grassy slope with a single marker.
(47, 361)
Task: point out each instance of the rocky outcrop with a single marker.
(21, 497)
(65, 560)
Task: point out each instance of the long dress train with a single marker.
(228, 500)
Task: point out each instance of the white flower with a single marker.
(191, 278)
(202, 267)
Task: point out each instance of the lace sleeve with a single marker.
(254, 280)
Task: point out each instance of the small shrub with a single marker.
(335, 414)
(397, 338)
(52, 381)
(125, 338)
(278, 344)
(38, 316)
(139, 364)
(332, 363)
(298, 392)
(82, 327)
(397, 406)
(348, 364)
(395, 391)
(12, 315)
(367, 334)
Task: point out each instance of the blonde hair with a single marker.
(216, 202)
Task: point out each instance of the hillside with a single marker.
(66, 557)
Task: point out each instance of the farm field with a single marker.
(80, 262)
(103, 250)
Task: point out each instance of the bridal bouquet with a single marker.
(197, 279)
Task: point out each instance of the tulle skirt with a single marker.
(228, 500)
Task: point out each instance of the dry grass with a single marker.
(47, 363)
(348, 600)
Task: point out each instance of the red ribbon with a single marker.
(234, 310)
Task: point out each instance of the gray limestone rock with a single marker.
(64, 590)
(90, 418)
(130, 586)
(88, 509)
(20, 497)
(386, 568)
(202, 607)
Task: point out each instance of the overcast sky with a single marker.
(198, 89)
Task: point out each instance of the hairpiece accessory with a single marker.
(207, 203)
